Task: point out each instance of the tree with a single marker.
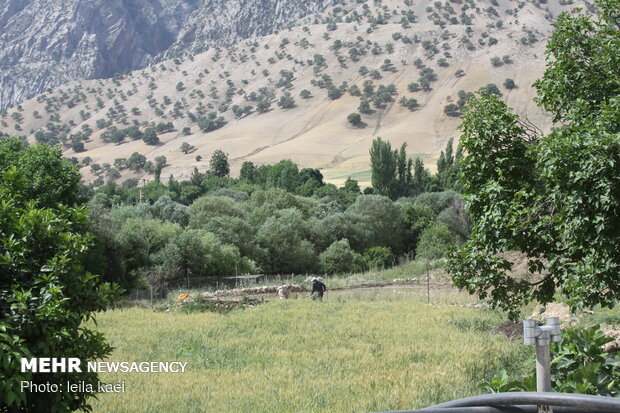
(390, 169)
(218, 164)
(339, 258)
(36, 163)
(421, 177)
(334, 93)
(286, 101)
(490, 89)
(554, 197)
(150, 137)
(136, 161)
(452, 109)
(77, 146)
(354, 119)
(283, 175)
(411, 103)
(248, 172)
(263, 105)
(47, 296)
(305, 94)
(364, 107)
(434, 242)
(284, 236)
(378, 257)
(509, 84)
(383, 167)
(211, 122)
(187, 148)
(383, 220)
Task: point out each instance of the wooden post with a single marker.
(428, 285)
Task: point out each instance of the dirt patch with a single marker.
(514, 331)
(562, 311)
(613, 332)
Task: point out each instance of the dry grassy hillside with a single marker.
(315, 132)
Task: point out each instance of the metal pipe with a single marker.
(585, 401)
(543, 368)
(499, 409)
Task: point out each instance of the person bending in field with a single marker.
(284, 291)
(318, 288)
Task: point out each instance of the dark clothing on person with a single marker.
(318, 288)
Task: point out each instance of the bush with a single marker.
(378, 257)
(434, 242)
(579, 364)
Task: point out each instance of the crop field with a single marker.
(376, 351)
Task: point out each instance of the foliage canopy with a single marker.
(556, 198)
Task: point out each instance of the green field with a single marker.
(347, 354)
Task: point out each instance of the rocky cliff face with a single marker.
(222, 23)
(46, 43)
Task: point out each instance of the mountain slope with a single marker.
(423, 42)
(48, 43)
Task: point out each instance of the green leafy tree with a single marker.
(434, 242)
(218, 164)
(383, 167)
(378, 257)
(339, 258)
(248, 172)
(417, 218)
(554, 197)
(390, 169)
(383, 220)
(284, 237)
(283, 175)
(45, 293)
(51, 178)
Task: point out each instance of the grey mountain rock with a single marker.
(46, 43)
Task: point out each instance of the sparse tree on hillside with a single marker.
(187, 148)
(354, 119)
(509, 84)
(286, 101)
(150, 137)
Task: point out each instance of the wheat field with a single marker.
(305, 356)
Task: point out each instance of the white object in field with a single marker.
(284, 291)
